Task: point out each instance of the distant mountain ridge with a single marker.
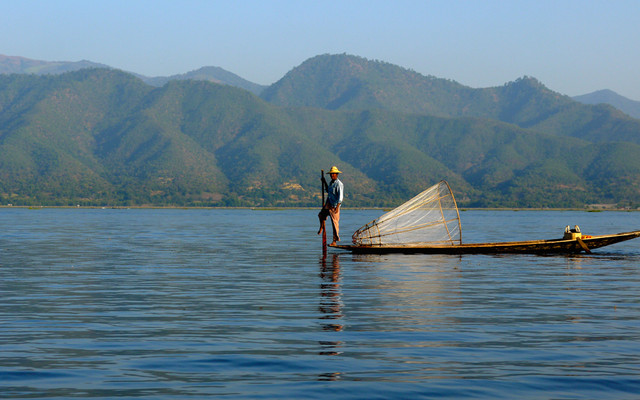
(606, 96)
(21, 65)
(104, 137)
(211, 74)
(344, 82)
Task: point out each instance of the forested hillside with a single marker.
(343, 82)
(104, 137)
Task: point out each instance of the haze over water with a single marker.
(173, 304)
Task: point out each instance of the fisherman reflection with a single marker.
(331, 302)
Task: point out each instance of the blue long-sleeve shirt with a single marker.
(335, 194)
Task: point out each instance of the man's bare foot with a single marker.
(333, 243)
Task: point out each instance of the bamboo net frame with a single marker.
(430, 217)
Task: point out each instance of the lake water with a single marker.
(238, 304)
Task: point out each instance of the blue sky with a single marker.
(573, 47)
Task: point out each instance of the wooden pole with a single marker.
(324, 231)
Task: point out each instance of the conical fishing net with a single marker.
(432, 216)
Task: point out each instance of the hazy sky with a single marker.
(573, 47)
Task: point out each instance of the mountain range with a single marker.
(22, 65)
(100, 136)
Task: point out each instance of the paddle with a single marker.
(583, 245)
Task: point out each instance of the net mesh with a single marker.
(432, 216)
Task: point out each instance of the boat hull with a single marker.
(553, 246)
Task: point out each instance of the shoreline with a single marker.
(461, 209)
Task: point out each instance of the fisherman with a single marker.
(331, 208)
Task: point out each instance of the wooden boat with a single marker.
(552, 246)
(429, 223)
